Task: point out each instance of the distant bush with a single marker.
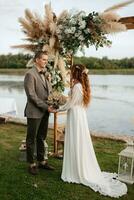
(20, 61)
(105, 63)
(14, 61)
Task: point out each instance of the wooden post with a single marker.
(128, 22)
(71, 70)
(55, 117)
(55, 133)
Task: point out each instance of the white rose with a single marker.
(80, 19)
(76, 35)
(79, 32)
(60, 26)
(73, 29)
(58, 31)
(81, 38)
(86, 31)
(66, 31)
(82, 24)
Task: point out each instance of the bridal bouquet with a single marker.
(56, 99)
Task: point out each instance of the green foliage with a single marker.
(80, 30)
(56, 77)
(105, 63)
(20, 60)
(14, 61)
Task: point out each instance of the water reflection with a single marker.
(111, 109)
(11, 85)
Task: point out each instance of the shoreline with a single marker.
(22, 71)
(123, 138)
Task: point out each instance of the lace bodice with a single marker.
(75, 98)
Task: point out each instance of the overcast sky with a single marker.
(10, 31)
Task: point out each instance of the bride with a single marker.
(80, 164)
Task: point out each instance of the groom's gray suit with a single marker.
(37, 89)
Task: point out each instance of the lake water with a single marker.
(111, 109)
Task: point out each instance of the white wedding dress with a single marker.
(79, 163)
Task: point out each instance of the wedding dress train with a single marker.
(79, 163)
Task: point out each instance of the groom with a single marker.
(37, 89)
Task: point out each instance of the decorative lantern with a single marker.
(126, 164)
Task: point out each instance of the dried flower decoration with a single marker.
(77, 67)
(56, 99)
(70, 32)
(85, 71)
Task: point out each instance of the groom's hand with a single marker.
(51, 109)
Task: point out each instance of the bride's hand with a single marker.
(51, 109)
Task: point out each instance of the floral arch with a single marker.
(62, 36)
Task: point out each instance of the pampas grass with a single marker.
(56, 59)
(53, 28)
(25, 25)
(29, 16)
(62, 17)
(49, 13)
(111, 19)
(29, 47)
(52, 42)
(113, 27)
(111, 24)
(61, 66)
(43, 33)
(109, 16)
(37, 29)
(32, 25)
(118, 6)
(30, 63)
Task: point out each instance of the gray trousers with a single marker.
(36, 134)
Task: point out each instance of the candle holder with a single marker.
(126, 164)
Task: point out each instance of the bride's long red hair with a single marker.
(79, 73)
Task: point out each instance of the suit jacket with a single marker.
(37, 92)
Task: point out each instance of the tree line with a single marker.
(20, 60)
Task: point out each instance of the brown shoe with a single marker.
(46, 166)
(33, 170)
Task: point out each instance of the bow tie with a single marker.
(42, 72)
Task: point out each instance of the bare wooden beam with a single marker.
(55, 133)
(130, 26)
(128, 22)
(125, 20)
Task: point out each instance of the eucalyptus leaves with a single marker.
(80, 30)
(56, 78)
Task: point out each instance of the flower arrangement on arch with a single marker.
(55, 78)
(69, 32)
(79, 30)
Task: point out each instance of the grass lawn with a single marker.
(17, 184)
